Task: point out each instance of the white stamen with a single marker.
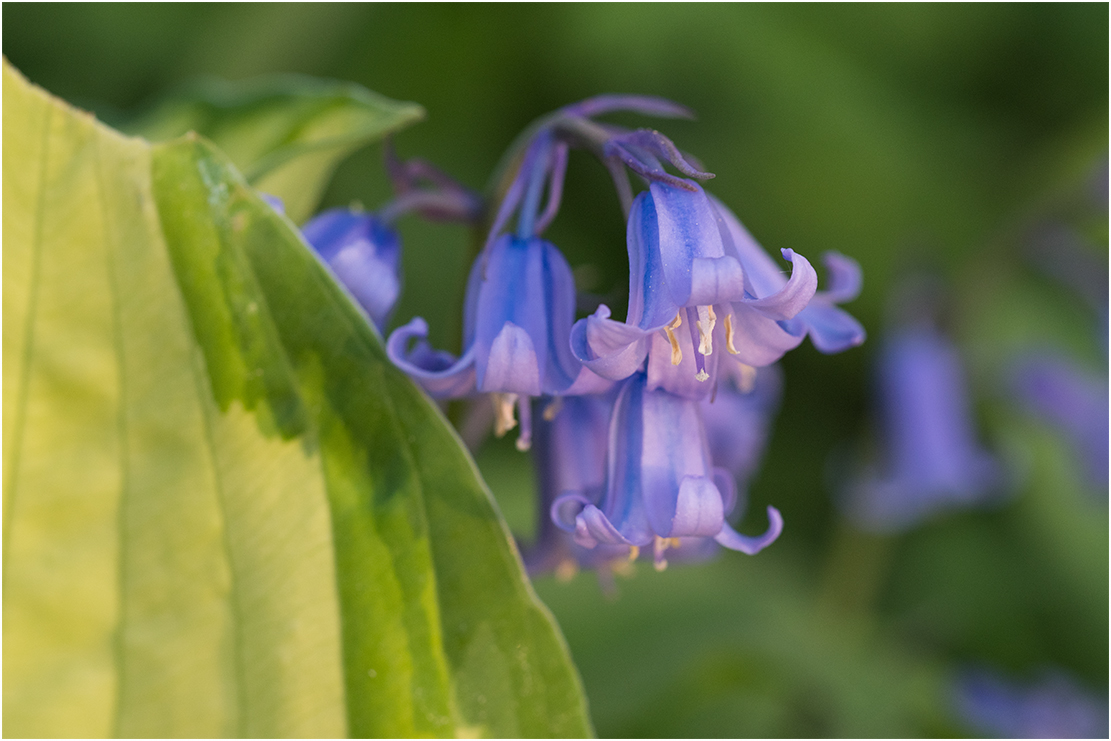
(706, 321)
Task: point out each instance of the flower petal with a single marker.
(370, 280)
(511, 365)
(714, 280)
(727, 486)
(752, 545)
(566, 508)
(613, 350)
(593, 527)
(831, 329)
(688, 229)
(699, 509)
(792, 297)
(650, 303)
(763, 277)
(761, 341)
(438, 372)
(844, 277)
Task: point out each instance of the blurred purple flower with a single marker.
(1053, 707)
(661, 486)
(932, 458)
(363, 253)
(1073, 401)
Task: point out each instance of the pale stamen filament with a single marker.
(676, 353)
(524, 413)
(729, 334)
(504, 420)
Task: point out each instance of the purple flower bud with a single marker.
(363, 253)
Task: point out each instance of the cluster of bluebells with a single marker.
(644, 431)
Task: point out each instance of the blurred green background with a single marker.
(902, 135)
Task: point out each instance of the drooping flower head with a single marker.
(661, 485)
(698, 281)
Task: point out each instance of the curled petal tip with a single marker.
(752, 545)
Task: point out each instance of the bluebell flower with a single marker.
(519, 305)
(363, 253)
(1073, 401)
(661, 486)
(1054, 706)
(685, 270)
(931, 458)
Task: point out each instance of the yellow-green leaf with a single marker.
(225, 513)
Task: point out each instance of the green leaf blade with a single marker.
(285, 133)
(225, 512)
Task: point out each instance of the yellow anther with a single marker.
(676, 353)
(702, 375)
(504, 420)
(729, 334)
(566, 570)
(674, 542)
(706, 321)
(634, 552)
(661, 564)
(553, 408)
